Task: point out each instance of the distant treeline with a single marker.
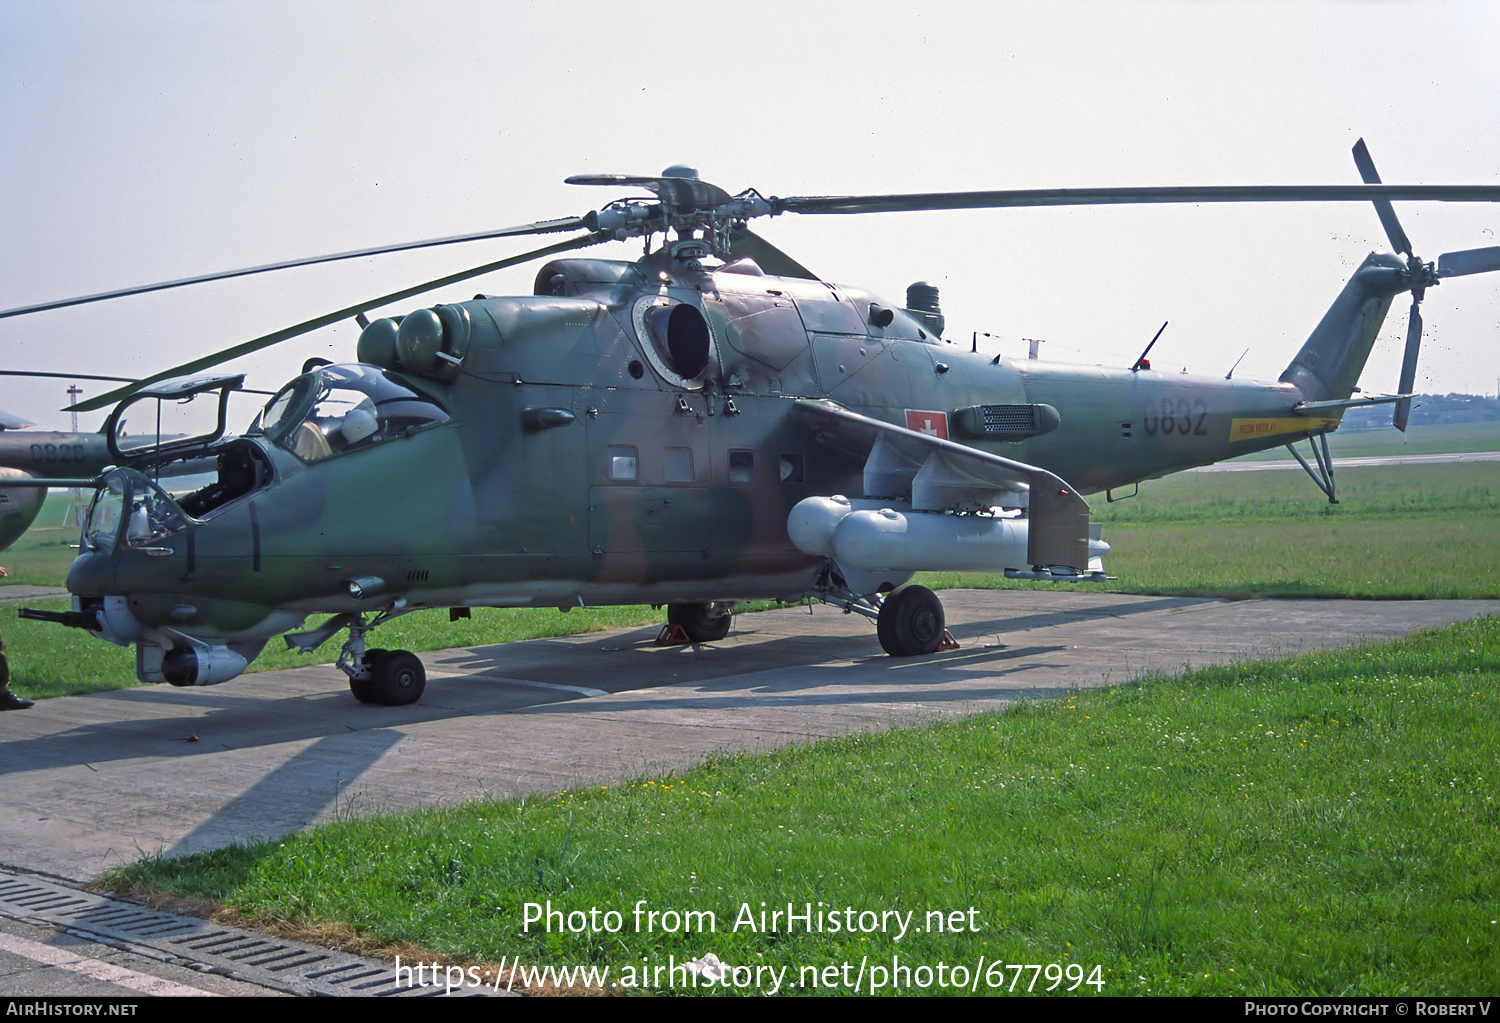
(1428, 410)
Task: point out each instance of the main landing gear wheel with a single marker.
(397, 678)
(703, 623)
(910, 622)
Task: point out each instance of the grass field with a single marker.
(1417, 440)
(1403, 531)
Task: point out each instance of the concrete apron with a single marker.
(93, 781)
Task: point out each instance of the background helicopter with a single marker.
(19, 506)
(678, 430)
(41, 454)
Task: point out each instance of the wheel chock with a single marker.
(947, 642)
(672, 635)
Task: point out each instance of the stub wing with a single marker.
(940, 475)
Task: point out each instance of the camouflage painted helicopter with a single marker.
(708, 424)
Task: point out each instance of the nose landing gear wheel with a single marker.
(910, 622)
(397, 678)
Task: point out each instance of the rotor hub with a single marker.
(1419, 276)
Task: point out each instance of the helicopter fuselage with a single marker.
(633, 433)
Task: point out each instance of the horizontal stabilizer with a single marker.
(1302, 408)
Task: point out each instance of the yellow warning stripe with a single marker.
(1251, 429)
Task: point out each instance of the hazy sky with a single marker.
(154, 140)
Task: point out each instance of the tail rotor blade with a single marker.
(1383, 207)
(1408, 367)
(1469, 261)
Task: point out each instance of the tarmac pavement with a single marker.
(94, 781)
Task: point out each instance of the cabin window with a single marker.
(623, 462)
(132, 510)
(741, 466)
(791, 469)
(103, 523)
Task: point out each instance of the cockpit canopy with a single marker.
(129, 509)
(335, 409)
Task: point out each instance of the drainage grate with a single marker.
(276, 963)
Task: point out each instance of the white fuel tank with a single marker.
(873, 535)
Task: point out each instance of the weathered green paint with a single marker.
(577, 464)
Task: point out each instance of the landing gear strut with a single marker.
(394, 678)
(908, 620)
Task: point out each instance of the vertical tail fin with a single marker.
(1330, 362)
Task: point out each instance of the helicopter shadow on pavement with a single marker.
(771, 655)
(747, 665)
(786, 655)
(955, 682)
(164, 724)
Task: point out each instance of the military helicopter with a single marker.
(707, 424)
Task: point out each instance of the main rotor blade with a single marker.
(1126, 196)
(296, 330)
(1469, 261)
(1408, 367)
(746, 244)
(63, 376)
(1383, 208)
(541, 227)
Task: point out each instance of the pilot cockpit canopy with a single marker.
(335, 409)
